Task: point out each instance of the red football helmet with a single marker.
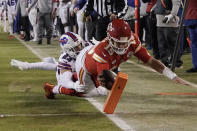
(119, 34)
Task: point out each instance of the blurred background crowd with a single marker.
(159, 22)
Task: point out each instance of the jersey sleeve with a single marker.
(101, 58)
(139, 51)
(65, 62)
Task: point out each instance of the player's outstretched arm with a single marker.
(161, 68)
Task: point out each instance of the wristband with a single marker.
(168, 73)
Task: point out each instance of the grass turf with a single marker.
(138, 106)
(24, 106)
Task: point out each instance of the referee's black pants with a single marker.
(26, 27)
(101, 28)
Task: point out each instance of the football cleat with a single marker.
(34, 40)
(11, 36)
(19, 64)
(22, 36)
(48, 88)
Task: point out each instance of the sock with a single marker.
(35, 32)
(66, 91)
(11, 29)
(63, 90)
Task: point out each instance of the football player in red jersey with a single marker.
(118, 47)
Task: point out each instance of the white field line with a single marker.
(36, 115)
(117, 120)
(29, 47)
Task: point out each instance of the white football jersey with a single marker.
(63, 4)
(66, 62)
(11, 3)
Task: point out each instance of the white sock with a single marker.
(35, 29)
(99, 91)
(11, 29)
(37, 65)
(56, 89)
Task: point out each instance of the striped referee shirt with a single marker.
(106, 7)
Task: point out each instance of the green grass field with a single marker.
(23, 103)
(25, 108)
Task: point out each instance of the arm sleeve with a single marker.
(139, 51)
(175, 6)
(143, 55)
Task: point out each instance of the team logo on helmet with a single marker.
(110, 28)
(63, 41)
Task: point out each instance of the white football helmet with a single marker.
(71, 43)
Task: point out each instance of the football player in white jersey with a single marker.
(33, 19)
(11, 6)
(79, 9)
(64, 6)
(71, 45)
(3, 14)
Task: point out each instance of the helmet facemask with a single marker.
(70, 45)
(120, 47)
(119, 35)
(74, 51)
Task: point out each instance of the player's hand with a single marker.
(53, 15)
(78, 87)
(180, 81)
(76, 9)
(169, 18)
(113, 16)
(106, 79)
(101, 80)
(89, 18)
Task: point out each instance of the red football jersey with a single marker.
(102, 56)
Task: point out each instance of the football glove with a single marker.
(79, 87)
(106, 79)
(169, 18)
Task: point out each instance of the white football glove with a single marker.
(169, 18)
(78, 87)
